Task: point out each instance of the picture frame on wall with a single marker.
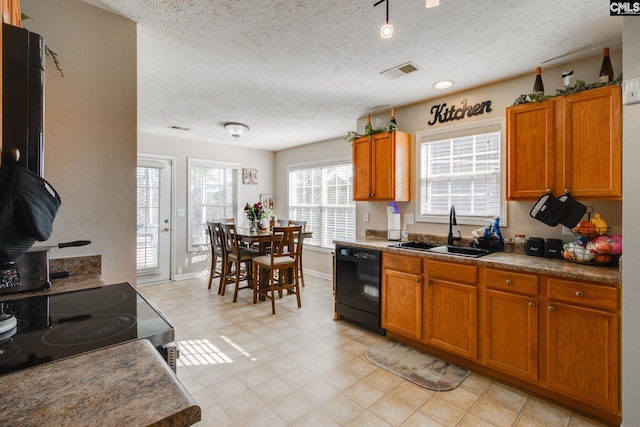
(267, 201)
(250, 176)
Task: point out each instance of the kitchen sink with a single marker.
(443, 249)
(418, 246)
(460, 251)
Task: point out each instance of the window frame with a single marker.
(454, 131)
(212, 164)
(345, 161)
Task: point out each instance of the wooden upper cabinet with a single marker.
(381, 167)
(530, 149)
(570, 143)
(593, 143)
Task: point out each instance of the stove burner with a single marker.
(89, 329)
(75, 303)
(8, 352)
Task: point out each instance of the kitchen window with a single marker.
(322, 195)
(461, 166)
(213, 193)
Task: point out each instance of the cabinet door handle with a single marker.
(508, 281)
(532, 304)
(551, 308)
(579, 294)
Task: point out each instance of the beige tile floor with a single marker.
(247, 367)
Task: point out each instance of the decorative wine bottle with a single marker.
(606, 70)
(393, 117)
(538, 87)
(368, 130)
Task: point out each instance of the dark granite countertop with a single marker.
(123, 385)
(128, 384)
(511, 261)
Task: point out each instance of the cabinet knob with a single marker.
(532, 304)
(579, 294)
(417, 280)
(551, 308)
(508, 281)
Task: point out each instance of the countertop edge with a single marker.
(510, 261)
(134, 386)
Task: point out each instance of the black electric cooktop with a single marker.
(53, 327)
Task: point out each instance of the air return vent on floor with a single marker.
(400, 70)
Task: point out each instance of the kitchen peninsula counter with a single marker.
(504, 260)
(127, 384)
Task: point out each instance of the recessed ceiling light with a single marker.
(444, 84)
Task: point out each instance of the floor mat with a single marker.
(416, 366)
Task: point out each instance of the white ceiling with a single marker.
(302, 71)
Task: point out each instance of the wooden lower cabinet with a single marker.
(583, 343)
(510, 333)
(402, 295)
(555, 337)
(509, 323)
(451, 307)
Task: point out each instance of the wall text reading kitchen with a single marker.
(443, 114)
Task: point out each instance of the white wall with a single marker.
(631, 270)
(191, 263)
(414, 118)
(90, 129)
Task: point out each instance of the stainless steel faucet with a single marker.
(452, 222)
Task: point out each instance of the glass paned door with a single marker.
(153, 224)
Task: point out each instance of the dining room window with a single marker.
(213, 193)
(322, 195)
(460, 166)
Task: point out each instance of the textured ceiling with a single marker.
(302, 71)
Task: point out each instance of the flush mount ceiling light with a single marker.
(236, 129)
(387, 29)
(433, 3)
(445, 84)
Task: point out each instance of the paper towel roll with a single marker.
(393, 226)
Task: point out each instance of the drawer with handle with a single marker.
(587, 294)
(512, 282)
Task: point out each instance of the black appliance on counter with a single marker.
(23, 58)
(358, 278)
(48, 328)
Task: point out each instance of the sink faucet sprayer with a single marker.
(452, 222)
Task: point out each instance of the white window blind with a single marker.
(461, 170)
(213, 194)
(322, 195)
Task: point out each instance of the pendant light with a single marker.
(386, 32)
(432, 3)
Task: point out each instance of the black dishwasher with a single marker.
(358, 286)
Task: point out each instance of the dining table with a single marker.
(263, 239)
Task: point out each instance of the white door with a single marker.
(153, 259)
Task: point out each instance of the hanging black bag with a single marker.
(28, 206)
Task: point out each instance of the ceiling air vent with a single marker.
(400, 70)
(179, 127)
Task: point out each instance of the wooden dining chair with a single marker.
(283, 257)
(217, 255)
(303, 224)
(237, 255)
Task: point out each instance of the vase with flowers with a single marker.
(255, 214)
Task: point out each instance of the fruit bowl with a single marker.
(588, 255)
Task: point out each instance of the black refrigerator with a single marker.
(23, 56)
